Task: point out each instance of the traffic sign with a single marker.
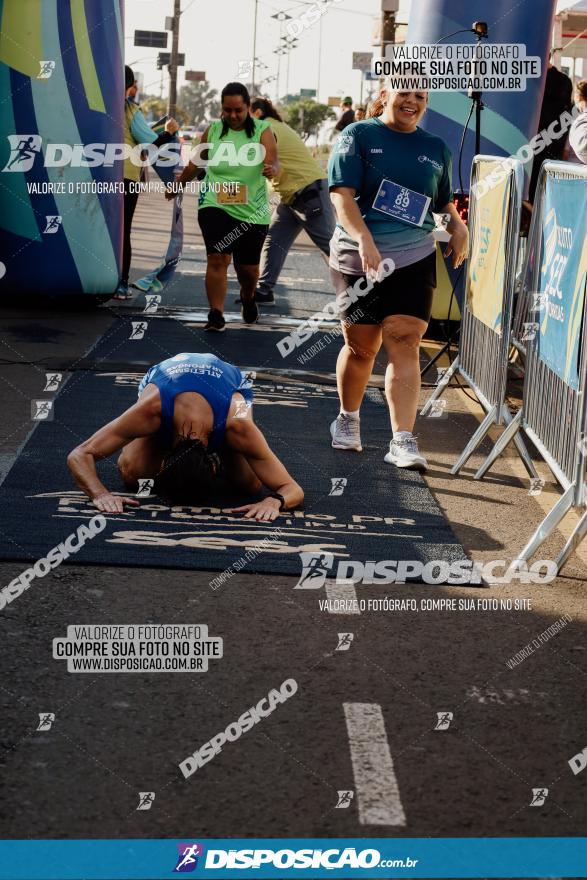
(152, 39)
(334, 101)
(362, 60)
(164, 59)
(307, 93)
(195, 75)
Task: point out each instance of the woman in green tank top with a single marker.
(233, 205)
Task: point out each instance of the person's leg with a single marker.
(353, 370)
(355, 363)
(247, 278)
(140, 459)
(320, 228)
(130, 203)
(217, 279)
(283, 231)
(402, 335)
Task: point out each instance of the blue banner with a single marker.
(271, 858)
(563, 270)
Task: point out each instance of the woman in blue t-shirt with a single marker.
(386, 178)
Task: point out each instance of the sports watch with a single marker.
(279, 497)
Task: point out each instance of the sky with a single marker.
(216, 34)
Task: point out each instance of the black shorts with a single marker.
(224, 234)
(407, 291)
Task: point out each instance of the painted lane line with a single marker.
(376, 785)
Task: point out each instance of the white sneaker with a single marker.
(404, 453)
(346, 433)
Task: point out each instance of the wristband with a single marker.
(280, 498)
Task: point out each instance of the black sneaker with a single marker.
(215, 321)
(249, 311)
(266, 299)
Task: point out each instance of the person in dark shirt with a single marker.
(348, 114)
(558, 91)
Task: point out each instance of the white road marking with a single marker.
(342, 592)
(376, 785)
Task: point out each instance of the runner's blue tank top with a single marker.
(206, 374)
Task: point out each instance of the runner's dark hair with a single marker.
(232, 89)
(264, 104)
(187, 473)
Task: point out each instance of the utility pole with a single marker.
(173, 60)
(388, 10)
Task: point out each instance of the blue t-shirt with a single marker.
(206, 374)
(368, 152)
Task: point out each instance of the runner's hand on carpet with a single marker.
(113, 503)
(265, 510)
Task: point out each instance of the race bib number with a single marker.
(401, 203)
(234, 194)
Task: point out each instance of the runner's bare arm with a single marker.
(189, 172)
(271, 162)
(139, 420)
(350, 218)
(245, 437)
(458, 245)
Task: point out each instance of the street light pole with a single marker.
(254, 45)
(173, 59)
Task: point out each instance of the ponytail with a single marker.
(375, 108)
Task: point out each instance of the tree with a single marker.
(199, 102)
(306, 116)
(153, 108)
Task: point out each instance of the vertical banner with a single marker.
(486, 267)
(62, 85)
(563, 272)
(509, 119)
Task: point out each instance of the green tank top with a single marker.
(234, 178)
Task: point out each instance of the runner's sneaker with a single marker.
(404, 452)
(215, 321)
(346, 433)
(249, 311)
(266, 299)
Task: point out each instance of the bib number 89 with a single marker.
(402, 200)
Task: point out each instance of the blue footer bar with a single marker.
(299, 857)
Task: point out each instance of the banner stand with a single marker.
(554, 410)
(487, 309)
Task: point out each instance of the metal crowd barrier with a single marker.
(553, 413)
(483, 351)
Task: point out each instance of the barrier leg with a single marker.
(520, 446)
(476, 439)
(441, 386)
(509, 433)
(573, 542)
(548, 524)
